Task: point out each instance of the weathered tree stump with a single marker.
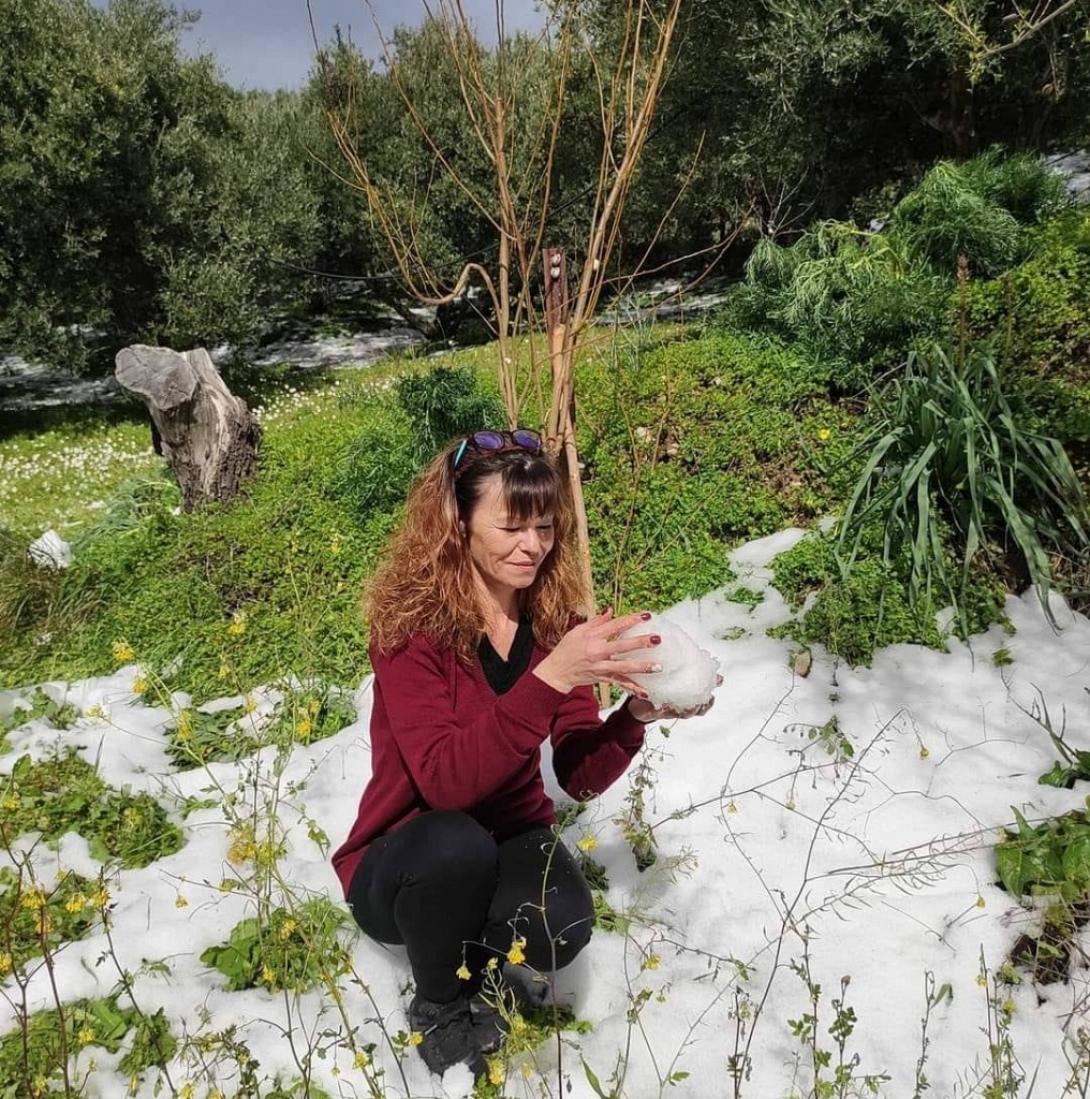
(208, 435)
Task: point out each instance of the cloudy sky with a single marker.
(267, 43)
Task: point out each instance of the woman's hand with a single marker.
(585, 654)
(643, 711)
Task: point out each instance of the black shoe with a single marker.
(449, 1036)
(488, 1024)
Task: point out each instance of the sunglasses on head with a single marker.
(495, 442)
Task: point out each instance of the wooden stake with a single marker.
(560, 430)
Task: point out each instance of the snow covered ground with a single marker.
(883, 859)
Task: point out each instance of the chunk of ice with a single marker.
(688, 672)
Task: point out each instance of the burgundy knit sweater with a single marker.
(441, 738)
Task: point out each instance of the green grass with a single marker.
(693, 441)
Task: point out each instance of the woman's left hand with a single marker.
(642, 710)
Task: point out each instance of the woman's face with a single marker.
(507, 553)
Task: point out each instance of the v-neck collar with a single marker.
(503, 674)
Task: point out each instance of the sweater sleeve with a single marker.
(456, 764)
(590, 754)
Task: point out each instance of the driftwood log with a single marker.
(208, 435)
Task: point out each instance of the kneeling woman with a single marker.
(476, 663)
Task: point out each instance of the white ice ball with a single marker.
(688, 672)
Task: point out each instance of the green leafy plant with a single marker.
(33, 1062)
(1051, 857)
(29, 912)
(54, 795)
(289, 950)
(945, 441)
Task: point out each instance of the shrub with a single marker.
(944, 440)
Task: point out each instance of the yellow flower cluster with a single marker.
(94, 711)
(267, 975)
(462, 972)
(361, 1060)
(75, 903)
(286, 928)
(587, 843)
(5, 962)
(86, 1035)
(415, 1038)
(823, 433)
(34, 898)
(10, 802)
(303, 727)
(652, 961)
(122, 651)
(496, 1075)
(238, 624)
(139, 685)
(184, 727)
(515, 955)
(180, 901)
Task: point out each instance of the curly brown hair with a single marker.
(425, 583)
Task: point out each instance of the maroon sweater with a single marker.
(442, 739)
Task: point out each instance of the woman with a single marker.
(477, 662)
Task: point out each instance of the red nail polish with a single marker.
(646, 616)
(655, 639)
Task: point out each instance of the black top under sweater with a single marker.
(503, 674)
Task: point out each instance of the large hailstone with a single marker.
(688, 672)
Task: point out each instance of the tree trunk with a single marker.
(209, 436)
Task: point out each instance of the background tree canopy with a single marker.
(141, 197)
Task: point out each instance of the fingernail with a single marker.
(656, 667)
(655, 639)
(646, 616)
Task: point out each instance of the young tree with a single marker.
(492, 147)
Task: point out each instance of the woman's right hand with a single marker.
(585, 654)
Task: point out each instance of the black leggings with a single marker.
(441, 885)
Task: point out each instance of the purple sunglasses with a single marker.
(495, 442)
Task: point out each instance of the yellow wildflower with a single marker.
(122, 651)
(34, 898)
(313, 706)
(495, 1071)
(361, 1060)
(180, 902)
(11, 802)
(286, 928)
(94, 711)
(187, 1090)
(415, 1038)
(102, 897)
(75, 903)
(303, 728)
(139, 685)
(515, 955)
(335, 546)
(924, 751)
(652, 961)
(238, 624)
(225, 670)
(980, 902)
(39, 1085)
(228, 885)
(982, 980)
(587, 843)
(185, 725)
(731, 807)
(249, 705)
(5, 962)
(462, 972)
(492, 962)
(823, 433)
(518, 1024)
(86, 1035)
(267, 975)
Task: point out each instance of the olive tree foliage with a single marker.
(798, 108)
(140, 196)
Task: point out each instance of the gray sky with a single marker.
(267, 43)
